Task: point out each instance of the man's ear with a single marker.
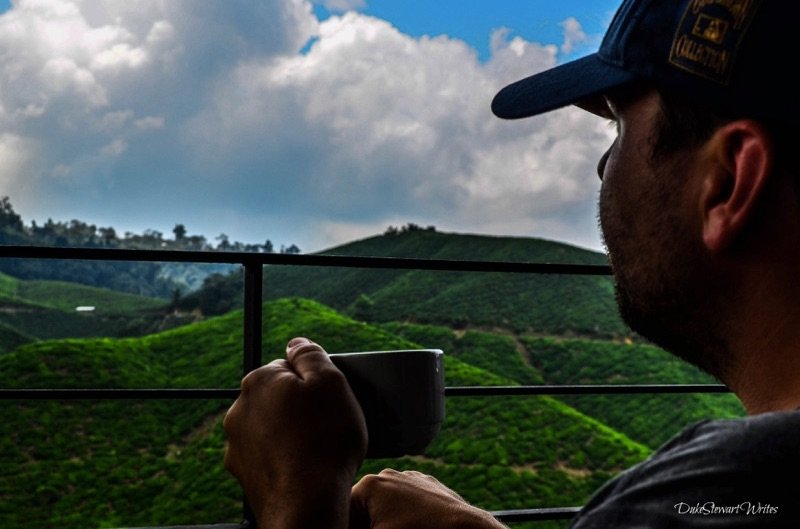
(741, 156)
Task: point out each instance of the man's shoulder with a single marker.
(725, 455)
(763, 436)
(709, 474)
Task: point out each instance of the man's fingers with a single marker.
(307, 358)
(304, 359)
(359, 511)
(261, 377)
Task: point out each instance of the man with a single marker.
(700, 210)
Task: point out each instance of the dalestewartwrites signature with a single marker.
(710, 508)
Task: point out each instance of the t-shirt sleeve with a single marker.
(732, 474)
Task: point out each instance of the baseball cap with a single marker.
(736, 56)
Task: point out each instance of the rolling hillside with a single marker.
(32, 310)
(549, 304)
(648, 419)
(130, 463)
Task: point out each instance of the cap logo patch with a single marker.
(709, 36)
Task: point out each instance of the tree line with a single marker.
(143, 278)
(77, 233)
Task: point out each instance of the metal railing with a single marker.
(253, 264)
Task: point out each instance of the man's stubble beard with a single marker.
(664, 288)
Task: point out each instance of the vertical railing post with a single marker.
(253, 306)
(253, 278)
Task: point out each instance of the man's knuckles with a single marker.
(372, 483)
(259, 377)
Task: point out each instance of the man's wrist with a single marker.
(484, 520)
(307, 507)
(475, 518)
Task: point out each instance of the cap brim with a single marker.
(568, 84)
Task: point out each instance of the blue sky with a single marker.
(306, 124)
(474, 20)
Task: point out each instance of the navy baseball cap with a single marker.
(736, 56)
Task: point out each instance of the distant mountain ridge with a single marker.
(533, 303)
(432, 244)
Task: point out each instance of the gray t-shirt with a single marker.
(727, 473)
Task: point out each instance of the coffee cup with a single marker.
(401, 394)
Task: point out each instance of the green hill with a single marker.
(11, 338)
(648, 419)
(502, 354)
(549, 304)
(552, 304)
(33, 309)
(128, 463)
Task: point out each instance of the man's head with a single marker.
(729, 55)
(691, 87)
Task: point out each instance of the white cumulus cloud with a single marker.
(340, 6)
(145, 114)
(573, 35)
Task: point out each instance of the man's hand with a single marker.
(411, 500)
(296, 438)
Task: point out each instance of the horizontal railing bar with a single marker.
(599, 389)
(536, 515)
(452, 391)
(508, 516)
(197, 526)
(117, 394)
(344, 261)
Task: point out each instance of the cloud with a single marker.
(341, 6)
(150, 113)
(102, 88)
(17, 153)
(150, 122)
(573, 35)
(394, 124)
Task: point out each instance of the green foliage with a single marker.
(67, 296)
(221, 293)
(551, 304)
(649, 419)
(144, 278)
(32, 310)
(10, 221)
(134, 463)
(11, 338)
(133, 277)
(499, 353)
(118, 463)
(8, 285)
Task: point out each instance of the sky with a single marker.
(303, 123)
